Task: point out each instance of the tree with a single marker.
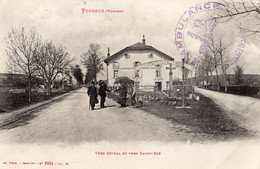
(16, 81)
(238, 74)
(20, 81)
(225, 60)
(92, 60)
(21, 49)
(248, 9)
(207, 65)
(195, 62)
(187, 60)
(87, 78)
(212, 47)
(220, 53)
(124, 81)
(51, 61)
(77, 73)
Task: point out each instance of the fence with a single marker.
(236, 89)
(177, 90)
(15, 98)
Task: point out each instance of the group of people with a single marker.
(93, 94)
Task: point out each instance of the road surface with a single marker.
(245, 110)
(71, 121)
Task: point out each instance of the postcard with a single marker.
(115, 84)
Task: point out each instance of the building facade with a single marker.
(127, 61)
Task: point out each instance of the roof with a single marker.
(138, 46)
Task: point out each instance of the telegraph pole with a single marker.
(183, 93)
(170, 77)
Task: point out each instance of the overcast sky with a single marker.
(63, 22)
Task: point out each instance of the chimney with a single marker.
(108, 54)
(143, 40)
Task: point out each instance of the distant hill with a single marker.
(248, 79)
(5, 75)
(16, 80)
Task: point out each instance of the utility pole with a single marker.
(183, 92)
(191, 83)
(170, 77)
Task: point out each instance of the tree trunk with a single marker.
(207, 75)
(225, 83)
(211, 78)
(95, 78)
(195, 77)
(218, 84)
(216, 70)
(48, 89)
(29, 88)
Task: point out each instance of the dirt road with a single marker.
(71, 121)
(245, 110)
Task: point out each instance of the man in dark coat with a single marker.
(92, 93)
(102, 93)
(122, 95)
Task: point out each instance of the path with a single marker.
(71, 121)
(245, 110)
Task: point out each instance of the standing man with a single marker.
(92, 93)
(133, 95)
(122, 95)
(102, 93)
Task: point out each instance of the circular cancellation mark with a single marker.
(201, 24)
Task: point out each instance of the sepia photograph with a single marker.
(115, 84)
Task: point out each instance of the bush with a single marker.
(241, 90)
(124, 81)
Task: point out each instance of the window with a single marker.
(116, 65)
(127, 56)
(136, 64)
(167, 85)
(115, 73)
(157, 73)
(150, 55)
(137, 73)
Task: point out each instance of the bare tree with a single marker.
(224, 59)
(187, 60)
(219, 49)
(208, 62)
(51, 61)
(195, 62)
(244, 9)
(92, 60)
(21, 49)
(212, 47)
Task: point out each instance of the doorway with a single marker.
(158, 86)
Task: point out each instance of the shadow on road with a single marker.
(24, 118)
(105, 107)
(19, 120)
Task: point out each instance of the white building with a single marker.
(124, 63)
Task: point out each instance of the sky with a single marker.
(63, 22)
